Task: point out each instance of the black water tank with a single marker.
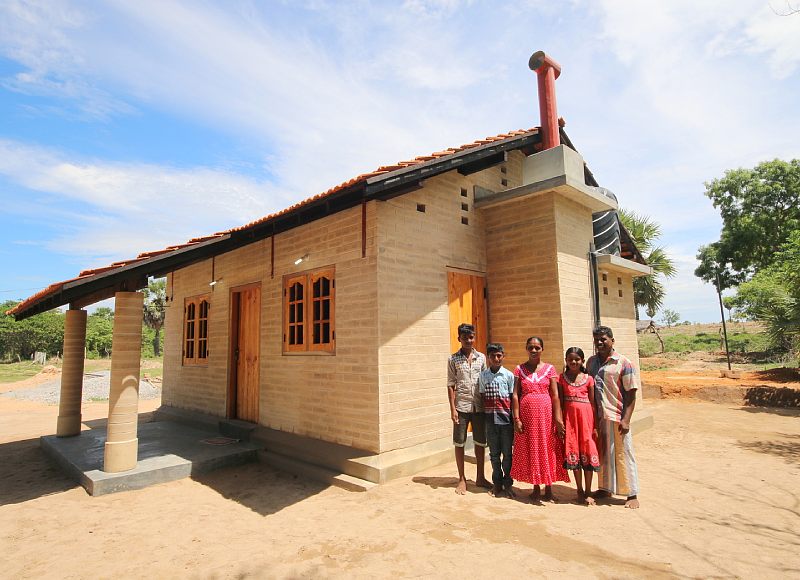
(606, 227)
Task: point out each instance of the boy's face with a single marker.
(495, 360)
(467, 340)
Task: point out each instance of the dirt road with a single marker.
(720, 498)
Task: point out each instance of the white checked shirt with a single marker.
(462, 375)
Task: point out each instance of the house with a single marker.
(327, 325)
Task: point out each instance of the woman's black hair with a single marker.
(575, 350)
(537, 339)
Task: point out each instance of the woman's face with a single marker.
(574, 362)
(534, 349)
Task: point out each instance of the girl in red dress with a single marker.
(580, 450)
(537, 423)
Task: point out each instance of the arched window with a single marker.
(309, 312)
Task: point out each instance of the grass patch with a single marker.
(154, 372)
(97, 364)
(18, 371)
(704, 338)
(655, 366)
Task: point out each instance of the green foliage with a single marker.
(155, 302)
(648, 291)
(148, 343)
(99, 332)
(20, 339)
(772, 296)
(760, 209)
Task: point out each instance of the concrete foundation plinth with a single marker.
(121, 447)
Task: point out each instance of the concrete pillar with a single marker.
(69, 406)
(122, 444)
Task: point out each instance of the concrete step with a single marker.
(314, 472)
(235, 429)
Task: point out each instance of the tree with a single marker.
(100, 332)
(155, 302)
(729, 304)
(670, 317)
(648, 291)
(772, 295)
(760, 208)
(19, 339)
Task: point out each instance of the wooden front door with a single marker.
(245, 341)
(466, 295)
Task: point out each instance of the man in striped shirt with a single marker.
(615, 381)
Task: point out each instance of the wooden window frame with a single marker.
(295, 309)
(193, 346)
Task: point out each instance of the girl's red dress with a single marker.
(537, 455)
(580, 449)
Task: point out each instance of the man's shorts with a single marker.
(478, 421)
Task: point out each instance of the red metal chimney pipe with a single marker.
(547, 71)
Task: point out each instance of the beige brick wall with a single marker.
(618, 312)
(574, 235)
(334, 398)
(523, 276)
(415, 251)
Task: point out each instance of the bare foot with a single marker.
(535, 494)
(632, 503)
(589, 500)
(482, 482)
(510, 492)
(461, 488)
(496, 491)
(548, 494)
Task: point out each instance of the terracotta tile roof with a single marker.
(58, 286)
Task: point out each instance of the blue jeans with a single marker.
(501, 441)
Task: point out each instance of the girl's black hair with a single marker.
(575, 350)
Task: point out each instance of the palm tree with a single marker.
(648, 291)
(155, 301)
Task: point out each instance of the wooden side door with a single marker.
(245, 353)
(466, 295)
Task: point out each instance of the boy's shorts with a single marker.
(478, 421)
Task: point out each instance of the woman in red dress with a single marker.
(580, 449)
(537, 422)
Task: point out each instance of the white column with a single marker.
(122, 443)
(69, 406)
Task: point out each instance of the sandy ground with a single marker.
(720, 498)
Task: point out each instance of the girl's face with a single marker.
(574, 362)
(534, 349)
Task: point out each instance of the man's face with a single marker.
(603, 344)
(467, 340)
(495, 360)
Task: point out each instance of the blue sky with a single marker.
(130, 126)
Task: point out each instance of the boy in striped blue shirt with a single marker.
(496, 384)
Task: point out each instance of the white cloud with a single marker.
(135, 206)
